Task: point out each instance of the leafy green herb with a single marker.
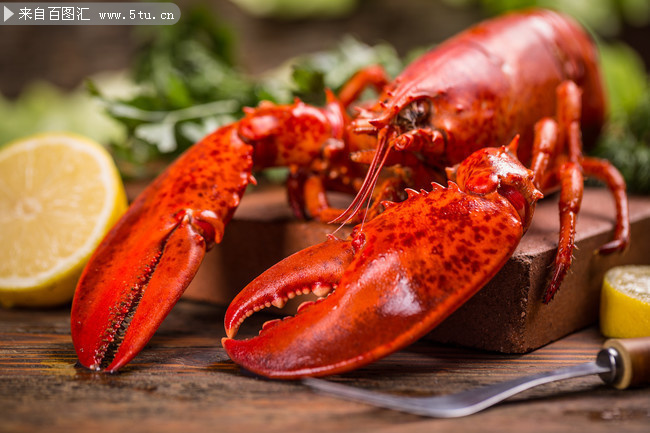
(625, 140)
(626, 143)
(332, 69)
(189, 86)
(44, 107)
(625, 77)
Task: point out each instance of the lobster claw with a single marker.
(149, 257)
(395, 278)
(146, 261)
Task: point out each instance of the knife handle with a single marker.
(632, 362)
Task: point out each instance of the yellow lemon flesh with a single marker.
(59, 195)
(625, 302)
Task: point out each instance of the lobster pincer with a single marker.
(149, 257)
(394, 279)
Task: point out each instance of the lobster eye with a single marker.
(414, 115)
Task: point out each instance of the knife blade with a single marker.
(621, 363)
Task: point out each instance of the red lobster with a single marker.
(532, 75)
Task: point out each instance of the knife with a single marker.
(621, 363)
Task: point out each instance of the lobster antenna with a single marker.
(369, 183)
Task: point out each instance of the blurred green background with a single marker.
(168, 86)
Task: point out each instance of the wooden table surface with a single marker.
(184, 382)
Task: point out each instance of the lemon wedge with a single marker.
(59, 195)
(625, 302)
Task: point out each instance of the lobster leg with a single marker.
(394, 279)
(374, 76)
(545, 147)
(571, 189)
(557, 161)
(604, 171)
(306, 187)
(317, 205)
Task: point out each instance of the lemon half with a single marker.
(59, 195)
(625, 302)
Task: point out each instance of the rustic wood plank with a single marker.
(184, 381)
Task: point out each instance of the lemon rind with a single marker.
(114, 203)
